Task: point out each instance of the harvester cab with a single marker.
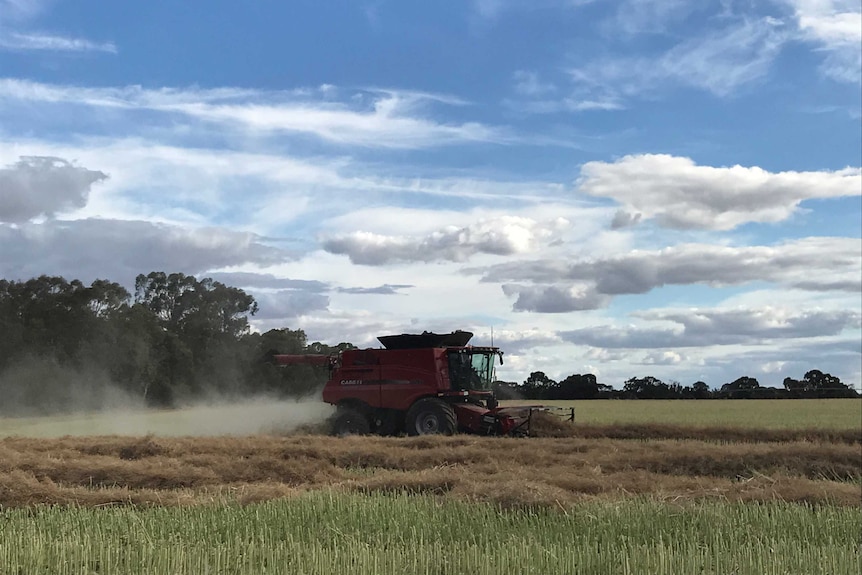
(420, 384)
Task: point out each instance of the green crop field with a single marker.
(753, 413)
(325, 532)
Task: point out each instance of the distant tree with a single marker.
(743, 388)
(208, 320)
(817, 380)
(647, 388)
(576, 387)
(794, 386)
(536, 386)
(816, 383)
(700, 390)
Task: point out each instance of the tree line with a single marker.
(176, 339)
(66, 345)
(814, 384)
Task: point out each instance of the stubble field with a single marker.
(644, 496)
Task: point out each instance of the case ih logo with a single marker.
(351, 382)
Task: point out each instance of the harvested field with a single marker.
(549, 472)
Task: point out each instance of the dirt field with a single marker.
(556, 472)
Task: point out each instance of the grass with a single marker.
(326, 532)
(834, 414)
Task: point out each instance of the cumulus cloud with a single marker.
(506, 235)
(708, 327)
(680, 194)
(43, 186)
(663, 358)
(266, 281)
(385, 289)
(814, 264)
(518, 341)
(287, 304)
(555, 298)
(119, 250)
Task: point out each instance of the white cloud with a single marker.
(53, 43)
(283, 305)
(14, 18)
(43, 186)
(814, 264)
(506, 235)
(836, 26)
(380, 119)
(119, 250)
(718, 326)
(663, 358)
(679, 194)
(555, 298)
(720, 62)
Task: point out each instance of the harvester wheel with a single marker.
(431, 416)
(349, 421)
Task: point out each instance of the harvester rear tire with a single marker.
(431, 416)
(349, 421)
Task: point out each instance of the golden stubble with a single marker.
(544, 471)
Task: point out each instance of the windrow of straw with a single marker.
(510, 472)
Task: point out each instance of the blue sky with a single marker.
(622, 187)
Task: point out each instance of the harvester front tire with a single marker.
(431, 416)
(349, 421)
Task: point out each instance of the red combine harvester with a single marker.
(419, 384)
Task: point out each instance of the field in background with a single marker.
(752, 413)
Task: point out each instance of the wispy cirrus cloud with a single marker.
(720, 62)
(836, 27)
(379, 119)
(52, 43)
(16, 34)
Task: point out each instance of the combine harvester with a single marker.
(420, 384)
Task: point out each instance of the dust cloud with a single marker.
(39, 397)
(243, 417)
